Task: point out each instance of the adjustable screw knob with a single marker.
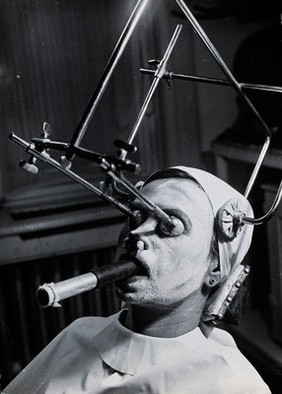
(29, 165)
(65, 162)
(238, 284)
(154, 62)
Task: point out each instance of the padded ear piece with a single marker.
(229, 218)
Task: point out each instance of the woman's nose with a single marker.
(146, 227)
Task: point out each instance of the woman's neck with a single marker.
(163, 321)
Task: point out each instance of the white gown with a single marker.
(99, 355)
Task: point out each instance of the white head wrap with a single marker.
(231, 252)
(225, 202)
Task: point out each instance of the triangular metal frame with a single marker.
(38, 148)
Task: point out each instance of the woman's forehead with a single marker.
(185, 186)
(179, 190)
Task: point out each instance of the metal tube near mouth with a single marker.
(49, 294)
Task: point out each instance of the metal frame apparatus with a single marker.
(115, 166)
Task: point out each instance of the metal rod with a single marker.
(45, 158)
(112, 63)
(50, 294)
(236, 85)
(270, 213)
(158, 74)
(215, 81)
(160, 214)
(43, 143)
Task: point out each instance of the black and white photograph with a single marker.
(140, 197)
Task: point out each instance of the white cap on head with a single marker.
(231, 252)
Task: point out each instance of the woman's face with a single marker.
(173, 267)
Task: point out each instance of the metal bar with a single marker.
(158, 74)
(59, 320)
(262, 88)
(160, 214)
(215, 81)
(236, 85)
(78, 303)
(45, 158)
(112, 63)
(270, 213)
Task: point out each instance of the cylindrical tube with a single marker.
(49, 294)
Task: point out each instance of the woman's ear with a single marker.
(213, 277)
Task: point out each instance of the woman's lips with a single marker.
(143, 269)
(133, 249)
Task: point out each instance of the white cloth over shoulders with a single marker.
(99, 355)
